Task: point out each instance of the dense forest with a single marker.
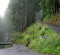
(35, 24)
(23, 12)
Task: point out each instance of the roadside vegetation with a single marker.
(36, 36)
(41, 38)
(53, 19)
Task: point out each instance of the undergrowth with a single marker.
(53, 19)
(41, 38)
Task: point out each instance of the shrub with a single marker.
(15, 36)
(32, 39)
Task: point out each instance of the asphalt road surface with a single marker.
(18, 50)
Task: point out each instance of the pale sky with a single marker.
(3, 6)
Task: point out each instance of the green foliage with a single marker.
(59, 1)
(42, 8)
(46, 7)
(13, 12)
(32, 38)
(14, 36)
(53, 19)
(36, 6)
(48, 45)
(47, 18)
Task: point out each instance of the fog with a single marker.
(3, 7)
(3, 26)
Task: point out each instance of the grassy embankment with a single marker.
(53, 19)
(32, 37)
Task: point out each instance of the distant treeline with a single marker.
(21, 13)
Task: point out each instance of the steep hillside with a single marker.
(53, 19)
(38, 37)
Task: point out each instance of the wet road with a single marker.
(18, 50)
